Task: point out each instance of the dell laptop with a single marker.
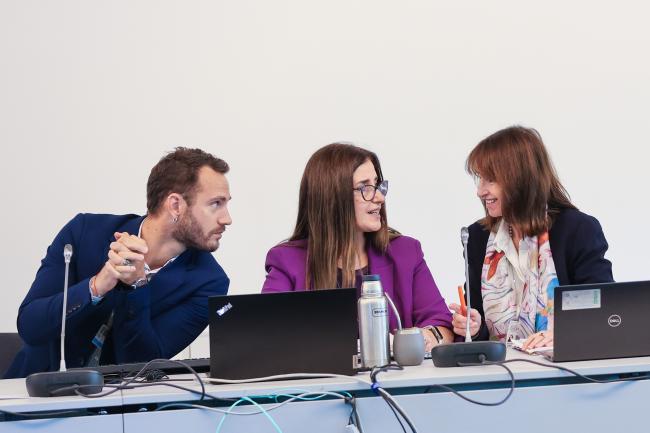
(279, 333)
(600, 321)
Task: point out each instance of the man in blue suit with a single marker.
(138, 285)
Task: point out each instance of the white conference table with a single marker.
(545, 399)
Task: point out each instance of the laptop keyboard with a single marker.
(200, 365)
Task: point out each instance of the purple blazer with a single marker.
(405, 277)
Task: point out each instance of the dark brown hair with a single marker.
(178, 172)
(326, 215)
(517, 160)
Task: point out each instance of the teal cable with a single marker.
(248, 399)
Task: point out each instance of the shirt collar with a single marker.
(502, 239)
(148, 272)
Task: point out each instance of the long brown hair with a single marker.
(326, 217)
(517, 160)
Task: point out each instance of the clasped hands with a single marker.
(459, 322)
(125, 263)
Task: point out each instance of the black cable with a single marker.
(530, 361)
(144, 385)
(39, 414)
(357, 418)
(481, 403)
(116, 388)
(136, 382)
(353, 419)
(392, 404)
(123, 385)
(383, 368)
(568, 370)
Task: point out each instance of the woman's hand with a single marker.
(429, 339)
(539, 339)
(459, 322)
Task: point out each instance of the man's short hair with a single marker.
(178, 172)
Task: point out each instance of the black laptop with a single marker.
(278, 333)
(600, 321)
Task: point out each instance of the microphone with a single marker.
(469, 352)
(63, 382)
(67, 255)
(464, 238)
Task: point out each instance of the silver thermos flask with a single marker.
(373, 323)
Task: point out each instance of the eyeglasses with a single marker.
(478, 180)
(368, 191)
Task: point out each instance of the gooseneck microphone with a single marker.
(468, 352)
(67, 255)
(464, 238)
(63, 382)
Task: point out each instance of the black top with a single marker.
(578, 246)
(358, 277)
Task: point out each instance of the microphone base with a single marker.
(472, 352)
(50, 384)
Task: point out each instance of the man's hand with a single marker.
(125, 263)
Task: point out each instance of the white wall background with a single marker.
(93, 93)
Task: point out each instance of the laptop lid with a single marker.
(600, 321)
(261, 335)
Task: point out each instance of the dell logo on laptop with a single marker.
(614, 320)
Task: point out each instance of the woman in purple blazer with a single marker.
(341, 234)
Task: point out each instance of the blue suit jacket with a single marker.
(154, 321)
(578, 246)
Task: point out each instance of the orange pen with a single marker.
(463, 305)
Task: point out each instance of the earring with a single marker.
(175, 219)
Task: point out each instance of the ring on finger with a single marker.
(126, 262)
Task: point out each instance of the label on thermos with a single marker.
(379, 312)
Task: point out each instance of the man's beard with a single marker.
(188, 232)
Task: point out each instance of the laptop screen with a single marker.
(600, 321)
(261, 335)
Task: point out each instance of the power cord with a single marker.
(28, 415)
(265, 411)
(512, 378)
(145, 377)
(392, 403)
(354, 421)
(471, 400)
(572, 372)
(137, 382)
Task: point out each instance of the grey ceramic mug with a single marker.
(408, 346)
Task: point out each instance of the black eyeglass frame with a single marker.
(382, 187)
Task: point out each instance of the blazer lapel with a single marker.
(379, 264)
(165, 284)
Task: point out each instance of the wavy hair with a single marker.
(517, 160)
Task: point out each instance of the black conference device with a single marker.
(62, 382)
(472, 352)
(469, 352)
(58, 383)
